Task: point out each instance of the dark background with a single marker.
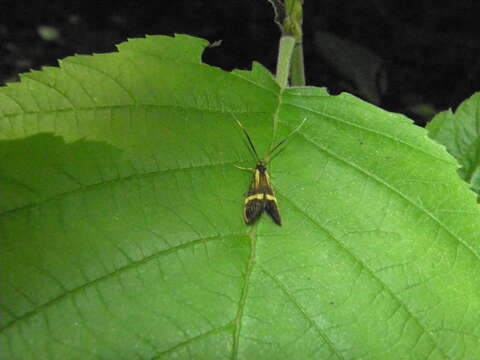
(429, 50)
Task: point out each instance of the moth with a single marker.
(260, 196)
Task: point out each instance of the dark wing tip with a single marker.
(253, 210)
(272, 210)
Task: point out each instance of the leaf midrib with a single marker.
(244, 295)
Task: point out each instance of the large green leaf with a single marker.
(121, 219)
(460, 133)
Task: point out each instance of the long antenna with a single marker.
(267, 158)
(246, 134)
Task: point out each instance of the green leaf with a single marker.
(460, 133)
(121, 227)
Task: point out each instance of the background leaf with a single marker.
(356, 63)
(460, 133)
(121, 219)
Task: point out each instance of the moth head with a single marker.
(262, 166)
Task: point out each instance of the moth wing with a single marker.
(272, 209)
(253, 209)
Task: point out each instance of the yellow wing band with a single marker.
(260, 197)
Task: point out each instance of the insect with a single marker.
(260, 196)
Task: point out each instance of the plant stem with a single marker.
(289, 17)
(285, 51)
(297, 71)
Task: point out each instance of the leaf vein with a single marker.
(102, 183)
(131, 265)
(312, 323)
(106, 74)
(47, 85)
(126, 106)
(348, 123)
(396, 192)
(371, 273)
(193, 339)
